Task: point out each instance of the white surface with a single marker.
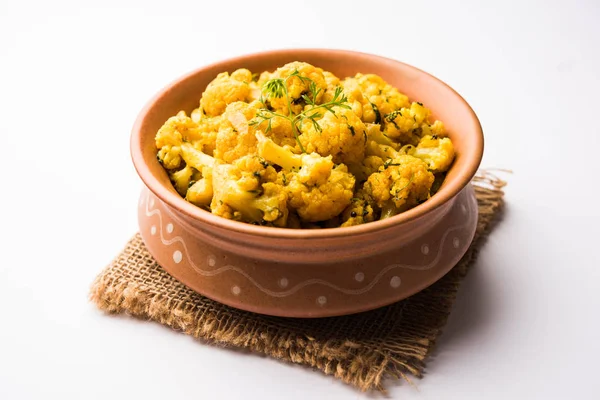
(72, 79)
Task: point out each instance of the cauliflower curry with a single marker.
(301, 148)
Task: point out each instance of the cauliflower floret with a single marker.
(369, 165)
(196, 115)
(280, 129)
(175, 130)
(375, 134)
(195, 158)
(239, 191)
(322, 202)
(296, 86)
(236, 136)
(199, 192)
(181, 128)
(437, 128)
(358, 212)
(169, 156)
(382, 151)
(181, 179)
(251, 171)
(403, 182)
(257, 167)
(438, 153)
(378, 97)
(407, 124)
(226, 89)
(332, 82)
(372, 164)
(353, 93)
(272, 204)
(247, 109)
(205, 137)
(169, 138)
(317, 189)
(340, 134)
(381, 94)
(313, 169)
(233, 144)
(255, 88)
(223, 210)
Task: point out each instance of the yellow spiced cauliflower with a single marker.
(318, 189)
(299, 147)
(437, 152)
(339, 133)
(224, 90)
(297, 77)
(402, 183)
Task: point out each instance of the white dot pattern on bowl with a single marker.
(212, 261)
(284, 283)
(456, 242)
(177, 256)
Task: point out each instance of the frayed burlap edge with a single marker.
(134, 284)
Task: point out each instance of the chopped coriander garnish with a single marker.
(376, 111)
(277, 88)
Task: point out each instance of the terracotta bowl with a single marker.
(310, 273)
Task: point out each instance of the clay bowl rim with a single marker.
(448, 191)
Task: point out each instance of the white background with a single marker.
(72, 79)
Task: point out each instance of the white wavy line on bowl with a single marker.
(308, 282)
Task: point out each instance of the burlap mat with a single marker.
(360, 349)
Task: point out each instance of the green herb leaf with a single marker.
(277, 88)
(376, 111)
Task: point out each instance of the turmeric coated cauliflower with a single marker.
(226, 89)
(199, 190)
(401, 183)
(378, 97)
(360, 211)
(236, 136)
(298, 76)
(406, 124)
(437, 152)
(299, 148)
(324, 201)
(318, 189)
(170, 137)
(369, 165)
(242, 191)
(340, 133)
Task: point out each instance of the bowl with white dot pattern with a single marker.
(310, 273)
